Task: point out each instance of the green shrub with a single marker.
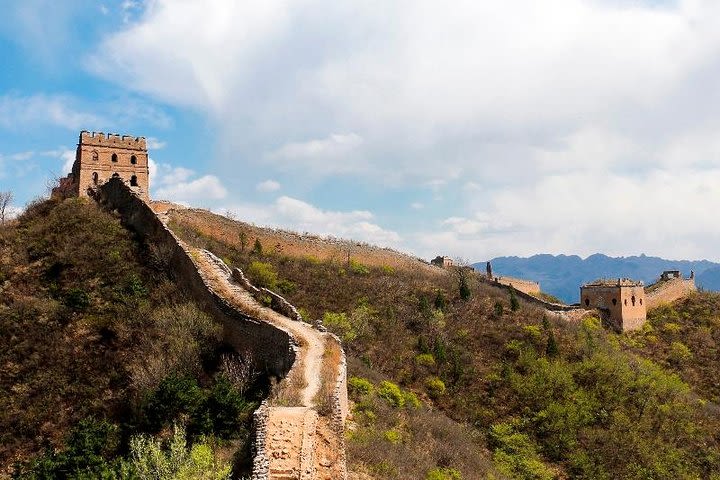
(149, 460)
(411, 400)
(425, 360)
(226, 406)
(338, 323)
(515, 454)
(263, 274)
(360, 386)
(671, 328)
(498, 308)
(89, 449)
(435, 386)
(77, 299)
(392, 393)
(679, 353)
(387, 270)
(393, 436)
(438, 473)
(514, 303)
(358, 268)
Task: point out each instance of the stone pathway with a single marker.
(300, 445)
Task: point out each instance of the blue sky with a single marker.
(473, 130)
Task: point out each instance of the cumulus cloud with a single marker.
(40, 109)
(298, 215)
(267, 186)
(155, 144)
(546, 123)
(182, 185)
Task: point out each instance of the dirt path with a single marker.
(312, 342)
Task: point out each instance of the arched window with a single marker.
(133, 181)
(587, 302)
(95, 156)
(133, 159)
(632, 299)
(626, 302)
(95, 178)
(641, 301)
(614, 300)
(114, 157)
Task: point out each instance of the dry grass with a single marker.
(293, 244)
(328, 376)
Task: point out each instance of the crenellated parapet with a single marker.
(99, 139)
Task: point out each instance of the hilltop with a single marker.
(450, 376)
(530, 395)
(562, 275)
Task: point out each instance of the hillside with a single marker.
(101, 354)
(529, 395)
(562, 275)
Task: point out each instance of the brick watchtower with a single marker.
(100, 157)
(621, 301)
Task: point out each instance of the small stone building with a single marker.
(443, 262)
(100, 157)
(621, 301)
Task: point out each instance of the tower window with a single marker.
(95, 156)
(133, 181)
(95, 178)
(587, 302)
(133, 159)
(641, 301)
(632, 299)
(614, 300)
(114, 157)
(626, 302)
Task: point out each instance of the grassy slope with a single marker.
(89, 325)
(550, 399)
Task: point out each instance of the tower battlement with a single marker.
(99, 139)
(100, 157)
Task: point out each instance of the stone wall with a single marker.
(554, 307)
(261, 461)
(525, 286)
(667, 291)
(272, 348)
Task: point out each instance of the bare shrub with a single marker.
(239, 370)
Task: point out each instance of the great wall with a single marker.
(299, 431)
(292, 439)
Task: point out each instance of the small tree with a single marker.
(552, 347)
(257, 247)
(243, 240)
(6, 199)
(514, 304)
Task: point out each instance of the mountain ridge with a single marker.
(561, 275)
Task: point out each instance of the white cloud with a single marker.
(334, 154)
(417, 205)
(268, 186)
(545, 122)
(297, 215)
(40, 109)
(193, 192)
(154, 144)
(178, 184)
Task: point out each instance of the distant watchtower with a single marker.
(100, 157)
(621, 300)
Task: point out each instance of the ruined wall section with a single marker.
(273, 349)
(668, 291)
(553, 307)
(525, 286)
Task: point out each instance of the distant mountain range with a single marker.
(562, 275)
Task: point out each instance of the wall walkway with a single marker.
(292, 441)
